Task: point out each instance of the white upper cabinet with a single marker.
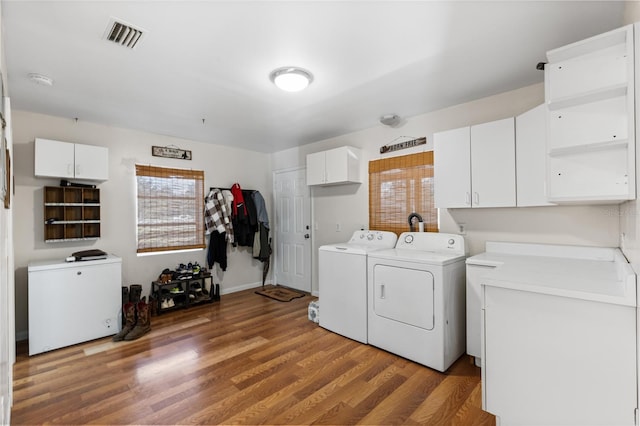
(452, 168)
(334, 167)
(589, 91)
(71, 161)
(531, 155)
(475, 166)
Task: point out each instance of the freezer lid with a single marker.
(46, 265)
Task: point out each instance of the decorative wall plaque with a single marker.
(403, 145)
(170, 152)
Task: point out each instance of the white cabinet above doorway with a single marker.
(70, 160)
(334, 167)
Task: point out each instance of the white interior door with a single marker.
(293, 220)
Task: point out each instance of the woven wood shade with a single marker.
(170, 208)
(399, 186)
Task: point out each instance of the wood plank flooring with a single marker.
(245, 360)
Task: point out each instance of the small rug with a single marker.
(277, 292)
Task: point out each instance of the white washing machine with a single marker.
(342, 282)
(417, 298)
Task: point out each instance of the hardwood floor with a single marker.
(245, 360)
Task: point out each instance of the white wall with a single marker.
(222, 165)
(7, 306)
(348, 204)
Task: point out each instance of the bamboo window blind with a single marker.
(170, 212)
(399, 186)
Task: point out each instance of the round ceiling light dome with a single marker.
(291, 79)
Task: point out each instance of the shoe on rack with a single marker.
(171, 303)
(165, 304)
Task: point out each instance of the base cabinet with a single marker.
(550, 360)
(73, 302)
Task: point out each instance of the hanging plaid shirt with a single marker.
(216, 215)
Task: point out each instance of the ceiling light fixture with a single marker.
(291, 79)
(41, 79)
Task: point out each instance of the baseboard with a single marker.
(315, 293)
(228, 290)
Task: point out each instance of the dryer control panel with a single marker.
(432, 241)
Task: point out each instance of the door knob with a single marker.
(306, 236)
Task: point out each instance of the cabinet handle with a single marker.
(382, 291)
(467, 198)
(70, 169)
(79, 273)
(78, 170)
(477, 198)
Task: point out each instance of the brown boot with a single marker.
(143, 325)
(129, 313)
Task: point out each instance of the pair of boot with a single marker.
(137, 321)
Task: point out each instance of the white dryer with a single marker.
(417, 298)
(342, 282)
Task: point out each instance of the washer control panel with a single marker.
(382, 239)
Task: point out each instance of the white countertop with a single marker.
(587, 273)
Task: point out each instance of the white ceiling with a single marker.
(211, 60)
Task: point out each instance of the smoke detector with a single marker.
(40, 79)
(390, 120)
(123, 33)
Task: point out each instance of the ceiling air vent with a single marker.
(123, 34)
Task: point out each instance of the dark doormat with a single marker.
(277, 292)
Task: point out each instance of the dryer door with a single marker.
(404, 295)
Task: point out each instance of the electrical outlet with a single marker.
(338, 227)
(622, 240)
(462, 228)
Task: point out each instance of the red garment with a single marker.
(238, 199)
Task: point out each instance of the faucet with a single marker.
(410, 219)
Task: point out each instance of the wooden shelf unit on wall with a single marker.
(71, 214)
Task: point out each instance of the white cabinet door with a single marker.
(336, 165)
(54, 158)
(91, 162)
(452, 168)
(493, 168)
(531, 157)
(315, 168)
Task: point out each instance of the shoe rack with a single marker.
(182, 293)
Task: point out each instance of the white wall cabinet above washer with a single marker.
(476, 166)
(334, 167)
(589, 90)
(68, 160)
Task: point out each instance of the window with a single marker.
(170, 209)
(399, 186)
